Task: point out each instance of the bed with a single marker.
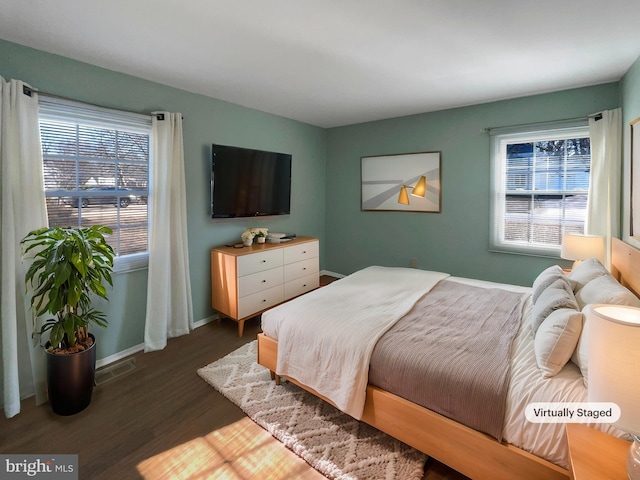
(523, 450)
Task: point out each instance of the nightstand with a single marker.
(594, 455)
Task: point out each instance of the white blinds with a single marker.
(96, 171)
(540, 183)
(52, 108)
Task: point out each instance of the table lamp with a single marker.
(581, 247)
(614, 369)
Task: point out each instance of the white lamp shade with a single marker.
(614, 361)
(581, 247)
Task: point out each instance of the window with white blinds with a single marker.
(96, 171)
(540, 183)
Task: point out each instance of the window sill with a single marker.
(130, 263)
(527, 250)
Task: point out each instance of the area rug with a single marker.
(332, 442)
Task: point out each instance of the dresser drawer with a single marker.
(256, 282)
(260, 301)
(258, 262)
(301, 285)
(300, 269)
(295, 253)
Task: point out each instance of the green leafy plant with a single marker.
(69, 265)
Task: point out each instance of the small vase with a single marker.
(261, 239)
(248, 242)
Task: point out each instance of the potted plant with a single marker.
(68, 266)
(247, 237)
(261, 235)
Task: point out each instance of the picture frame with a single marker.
(408, 182)
(635, 179)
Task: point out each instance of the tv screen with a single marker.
(249, 183)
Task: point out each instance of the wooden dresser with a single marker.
(247, 281)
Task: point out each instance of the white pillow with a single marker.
(606, 289)
(556, 340)
(546, 278)
(587, 271)
(581, 354)
(555, 296)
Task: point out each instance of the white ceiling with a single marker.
(339, 62)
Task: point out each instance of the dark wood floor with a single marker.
(161, 420)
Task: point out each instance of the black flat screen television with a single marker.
(249, 183)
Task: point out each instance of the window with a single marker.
(96, 171)
(540, 188)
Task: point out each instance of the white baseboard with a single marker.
(331, 274)
(204, 321)
(138, 348)
(119, 356)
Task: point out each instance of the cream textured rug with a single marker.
(332, 442)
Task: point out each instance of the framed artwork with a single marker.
(404, 183)
(635, 179)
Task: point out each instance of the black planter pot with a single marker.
(70, 380)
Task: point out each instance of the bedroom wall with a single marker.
(206, 121)
(455, 240)
(630, 92)
(326, 177)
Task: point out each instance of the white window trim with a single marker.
(498, 184)
(54, 108)
(129, 263)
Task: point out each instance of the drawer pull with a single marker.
(264, 281)
(264, 300)
(304, 268)
(304, 251)
(264, 261)
(304, 285)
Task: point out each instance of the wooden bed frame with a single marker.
(467, 451)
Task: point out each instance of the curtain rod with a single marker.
(596, 116)
(28, 90)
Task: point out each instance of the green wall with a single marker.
(630, 89)
(326, 177)
(206, 121)
(456, 240)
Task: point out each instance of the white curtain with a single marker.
(603, 207)
(169, 307)
(23, 210)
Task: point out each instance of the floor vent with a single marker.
(115, 370)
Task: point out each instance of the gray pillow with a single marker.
(555, 296)
(546, 278)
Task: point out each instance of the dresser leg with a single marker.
(240, 327)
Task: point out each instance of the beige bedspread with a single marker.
(451, 354)
(325, 337)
